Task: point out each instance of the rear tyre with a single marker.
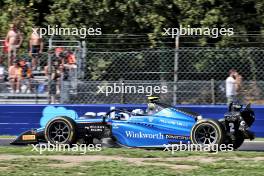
(61, 130)
(239, 140)
(207, 132)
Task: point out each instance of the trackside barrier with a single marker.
(15, 119)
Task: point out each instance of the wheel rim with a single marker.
(206, 134)
(59, 132)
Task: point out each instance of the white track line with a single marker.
(254, 142)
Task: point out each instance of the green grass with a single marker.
(26, 162)
(230, 167)
(225, 166)
(131, 153)
(225, 163)
(222, 167)
(27, 167)
(7, 137)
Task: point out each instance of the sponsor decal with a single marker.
(28, 137)
(176, 137)
(142, 135)
(137, 119)
(95, 128)
(173, 122)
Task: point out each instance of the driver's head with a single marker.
(151, 106)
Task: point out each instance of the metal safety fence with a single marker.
(189, 92)
(188, 75)
(198, 79)
(23, 82)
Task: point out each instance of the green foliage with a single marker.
(140, 17)
(21, 14)
(133, 16)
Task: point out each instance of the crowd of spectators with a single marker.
(18, 71)
(20, 74)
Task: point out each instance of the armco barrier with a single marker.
(15, 119)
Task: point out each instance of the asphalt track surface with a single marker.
(247, 146)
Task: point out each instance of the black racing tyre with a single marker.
(207, 132)
(61, 130)
(239, 140)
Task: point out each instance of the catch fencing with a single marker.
(198, 79)
(191, 75)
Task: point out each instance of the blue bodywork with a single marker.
(167, 126)
(160, 125)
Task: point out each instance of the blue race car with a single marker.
(160, 125)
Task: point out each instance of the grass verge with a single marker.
(129, 162)
(7, 137)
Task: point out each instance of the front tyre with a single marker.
(61, 130)
(207, 132)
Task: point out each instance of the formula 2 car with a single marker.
(161, 125)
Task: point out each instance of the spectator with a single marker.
(233, 84)
(2, 70)
(56, 63)
(2, 74)
(14, 77)
(26, 76)
(35, 47)
(60, 55)
(13, 42)
(5, 47)
(70, 61)
(58, 51)
(56, 73)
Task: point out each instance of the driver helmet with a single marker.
(151, 106)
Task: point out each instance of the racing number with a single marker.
(231, 127)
